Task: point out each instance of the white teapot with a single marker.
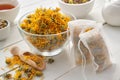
(111, 13)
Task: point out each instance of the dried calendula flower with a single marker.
(8, 61)
(88, 29)
(75, 1)
(25, 71)
(50, 60)
(39, 73)
(8, 76)
(18, 74)
(45, 21)
(24, 78)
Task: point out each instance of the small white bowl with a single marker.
(10, 14)
(4, 32)
(78, 10)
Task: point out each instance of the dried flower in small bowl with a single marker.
(75, 1)
(4, 29)
(3, 23)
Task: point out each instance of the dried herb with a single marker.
(3, 23)
(8, 76)
(75, 1)
(50, 60)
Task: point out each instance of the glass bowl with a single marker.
(46, 45)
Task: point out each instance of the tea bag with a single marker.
(78, 27)
(99, 54)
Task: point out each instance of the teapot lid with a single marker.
(116, 2)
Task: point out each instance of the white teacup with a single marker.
(9, 14)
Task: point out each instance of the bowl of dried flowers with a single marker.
(45, 30)
(79, 8)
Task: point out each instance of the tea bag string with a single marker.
(83, 60)
(92, 57)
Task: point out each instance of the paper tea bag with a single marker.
(78, 27)
(97, 48)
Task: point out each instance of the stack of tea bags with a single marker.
(89, 45)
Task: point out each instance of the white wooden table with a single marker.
(61, 68)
